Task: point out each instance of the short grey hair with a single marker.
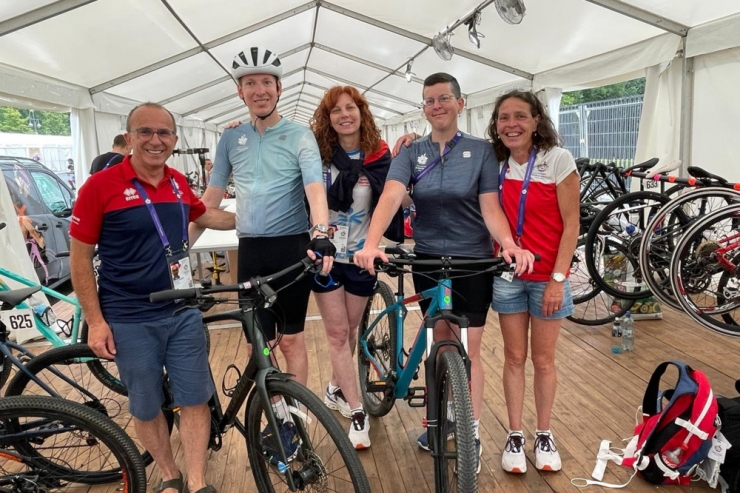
(150, 105)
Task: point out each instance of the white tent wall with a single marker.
(716, 122)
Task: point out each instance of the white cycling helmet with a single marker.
(256, 60)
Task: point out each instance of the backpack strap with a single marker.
(652, 401)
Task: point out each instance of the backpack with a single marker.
(729, 413)
(673, 438)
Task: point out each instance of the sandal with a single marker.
(207, 489)
(177, 483)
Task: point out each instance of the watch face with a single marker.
(558, 277)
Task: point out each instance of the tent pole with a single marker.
(687, 111)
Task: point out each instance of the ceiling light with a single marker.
(408, 71)
(473, 35)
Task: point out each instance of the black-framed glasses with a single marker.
(147, 133)
(443, 99)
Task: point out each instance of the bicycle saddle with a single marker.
(16, 296)
(643, 166)
(701, 173)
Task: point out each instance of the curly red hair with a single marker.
(325, 134)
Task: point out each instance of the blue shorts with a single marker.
(520, 296)
(348, 276)
(177, 343)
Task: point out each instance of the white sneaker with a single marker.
(359, 430)
(336, 401)
(513, 459)
(546, 454)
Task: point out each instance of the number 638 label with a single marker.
(20, 318)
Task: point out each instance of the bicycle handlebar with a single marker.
(494, 264)
(259, 283)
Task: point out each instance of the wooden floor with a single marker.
(598, 393)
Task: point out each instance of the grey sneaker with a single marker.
(336, 401)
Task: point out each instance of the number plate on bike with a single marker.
(19, 318)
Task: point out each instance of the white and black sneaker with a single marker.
(513, 459)
(359, 430)
(335, 400)
(547, 457)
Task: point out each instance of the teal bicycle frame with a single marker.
(48, 332)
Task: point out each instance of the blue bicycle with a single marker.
(386, 369)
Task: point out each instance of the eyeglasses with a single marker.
(520, 117)
(443, 99)
(147, 133)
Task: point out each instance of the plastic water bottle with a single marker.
(628, 332)
(45, 313)
(617, 336)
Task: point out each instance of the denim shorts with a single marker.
(348, 276)
(520, 296)
(177, 343)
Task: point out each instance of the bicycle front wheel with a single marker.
(454, 451)
(376, 388)
(62, 445)
(320, 455)
(67, 371)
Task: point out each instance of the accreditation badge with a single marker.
(181, 275)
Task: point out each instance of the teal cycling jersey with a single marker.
(270, 173)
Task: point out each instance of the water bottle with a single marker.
(43, 312)
(617, 336)
(628, 332)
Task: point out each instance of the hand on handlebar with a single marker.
(365, 258)
(325, 250)
(524, 259)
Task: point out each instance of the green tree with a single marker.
(619, 90)
(50, 123)
(12, 121)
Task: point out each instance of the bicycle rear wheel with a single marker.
(66, 370)
(455, 460)
(321, 457)
(62, 445)
(381, 344)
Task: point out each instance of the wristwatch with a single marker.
(558, 277)
(321, 229)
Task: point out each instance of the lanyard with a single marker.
(522, 196)
(447, 149)
(110, 161)
(155, 217)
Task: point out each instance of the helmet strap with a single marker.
(271, 112)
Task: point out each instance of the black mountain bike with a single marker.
(294, 442)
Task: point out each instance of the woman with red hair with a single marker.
(356, 162)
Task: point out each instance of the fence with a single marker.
(603, 130)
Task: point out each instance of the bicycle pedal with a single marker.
(378, 386)
(415, 400)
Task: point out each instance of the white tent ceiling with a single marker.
(110, 54)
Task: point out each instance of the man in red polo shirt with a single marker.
(137, 213)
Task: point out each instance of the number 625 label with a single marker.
(20, 318)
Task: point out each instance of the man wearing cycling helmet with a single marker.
(276, 165)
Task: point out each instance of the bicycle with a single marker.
(292, 437)
(386, 369)
(704, 271)
(33, 445)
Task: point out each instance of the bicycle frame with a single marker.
(439, 308)
(48, 332)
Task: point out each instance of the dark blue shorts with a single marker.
(348, 276)
(177, 343)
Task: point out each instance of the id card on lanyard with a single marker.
(178, 261)
(522, 195)
(338, 233)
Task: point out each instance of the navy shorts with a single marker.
(348, 276)
(177, 343)
(520, 296)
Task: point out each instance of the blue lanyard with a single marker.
(450, 145)
(155, 217)
(110, 161)
(522, 196)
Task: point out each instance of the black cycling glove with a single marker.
(323, 246)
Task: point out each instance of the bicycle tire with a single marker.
(699, 282)
(321, 451)
(665, 230)
(455, 463)
(72, 362)
(84, 430)
(382, 346)
(615, 221)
